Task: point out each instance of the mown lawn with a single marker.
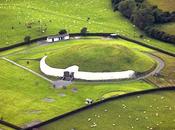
(153, 111)
(24, 97)
(17, 21)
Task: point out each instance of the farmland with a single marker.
(168, 28)
(165, 5)
(135, 112)
(41, 90)
(29, 97)
(41, 19)
(26, 98)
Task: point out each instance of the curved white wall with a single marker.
(92, 76)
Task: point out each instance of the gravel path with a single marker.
(159, 67)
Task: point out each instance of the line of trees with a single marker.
(145, 16)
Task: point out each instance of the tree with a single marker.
(63, 31)
(143, 17)
(27, 39)
(127, 7)
(84, 30)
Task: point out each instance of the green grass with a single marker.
(34, 54)
(100, 57)
(152, 111)
(168, 28)
(167, 77)
(69, 14)
(165, 5)
(22, 96)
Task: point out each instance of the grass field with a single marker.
(100, 57)
(27, 99)
(17, 21)
(111, 60)
(168, 28)
(140, 112)
(165, 5)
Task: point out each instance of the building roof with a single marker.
(57, 36)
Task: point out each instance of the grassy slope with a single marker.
(63, 14)
(100, 57)
(137, 112)
(168, 28)
(21, 96)
(165, 5)
(56, 50)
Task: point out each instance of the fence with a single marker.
(98, 103)
(93, 34)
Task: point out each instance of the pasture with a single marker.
(31, 99)
(41, 18)
(165, 5)
(169, 28)
(140, 112)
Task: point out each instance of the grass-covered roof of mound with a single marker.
(100, 57)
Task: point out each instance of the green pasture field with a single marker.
(153, 111)
(168, 28)
(38, 15)
(25, 98)
(23, 95)
(165, 5)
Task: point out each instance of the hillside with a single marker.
(166, 5)
(100, 57)
(38, 18)
(139, 112)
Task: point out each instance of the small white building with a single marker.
(88, 101)
(56, 38)
(113, 35)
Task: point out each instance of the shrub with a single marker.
(84, 30)
(63, 31)
(27, 39)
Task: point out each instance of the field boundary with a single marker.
(35, 127)
(92, 34)
(10, 125)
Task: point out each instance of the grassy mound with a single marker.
(100, 57)
(141, 112)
